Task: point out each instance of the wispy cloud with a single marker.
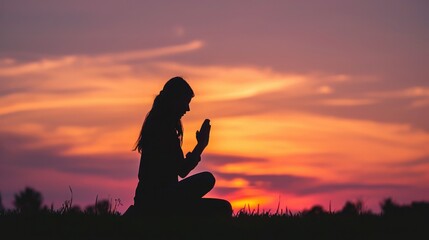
(224, 83)
(347, 102)
(418, 95)
(299, 185)
(151, 53)
(36, 67)
(13, 68)
(18, 151)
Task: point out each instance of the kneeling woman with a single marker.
(162, 160)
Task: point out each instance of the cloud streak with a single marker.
(12, 68)
(15, 154)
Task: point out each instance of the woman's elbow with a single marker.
(183, 174)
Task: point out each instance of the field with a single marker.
(396, 222)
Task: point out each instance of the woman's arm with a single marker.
(203, 137)
(194, 157)
(189, 163)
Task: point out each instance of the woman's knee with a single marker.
(226, 207)
(215, 206)
(208, 178)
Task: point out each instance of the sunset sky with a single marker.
(311, 102)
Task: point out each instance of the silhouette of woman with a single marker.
(162, 159)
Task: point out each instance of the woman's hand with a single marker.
(203, 134)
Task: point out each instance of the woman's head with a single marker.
(173, 100)
(169, 107)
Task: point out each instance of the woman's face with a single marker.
(182, 106)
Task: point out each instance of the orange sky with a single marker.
(316, 130)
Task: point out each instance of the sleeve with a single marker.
(188, 164)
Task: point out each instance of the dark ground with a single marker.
(31, 220)
(244, 226)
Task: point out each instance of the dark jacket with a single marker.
(161, 161)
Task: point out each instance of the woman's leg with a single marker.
(213, 207)
(188, 195)
(196, 186)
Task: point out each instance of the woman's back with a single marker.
(160, 154)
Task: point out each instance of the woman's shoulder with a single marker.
(156, 125)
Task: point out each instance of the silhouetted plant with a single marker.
(104, 207)
(28, 201)
(415, 210)
(420, 208)
(389, 207)
(352, 209)
(316, 210)
(393, 209)
(68, 208)
(118, 203)
(246, 211)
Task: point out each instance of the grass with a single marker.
(245, 224)
(102, 221)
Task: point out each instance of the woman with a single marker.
(162, 159)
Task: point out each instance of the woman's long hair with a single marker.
(163, 108)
